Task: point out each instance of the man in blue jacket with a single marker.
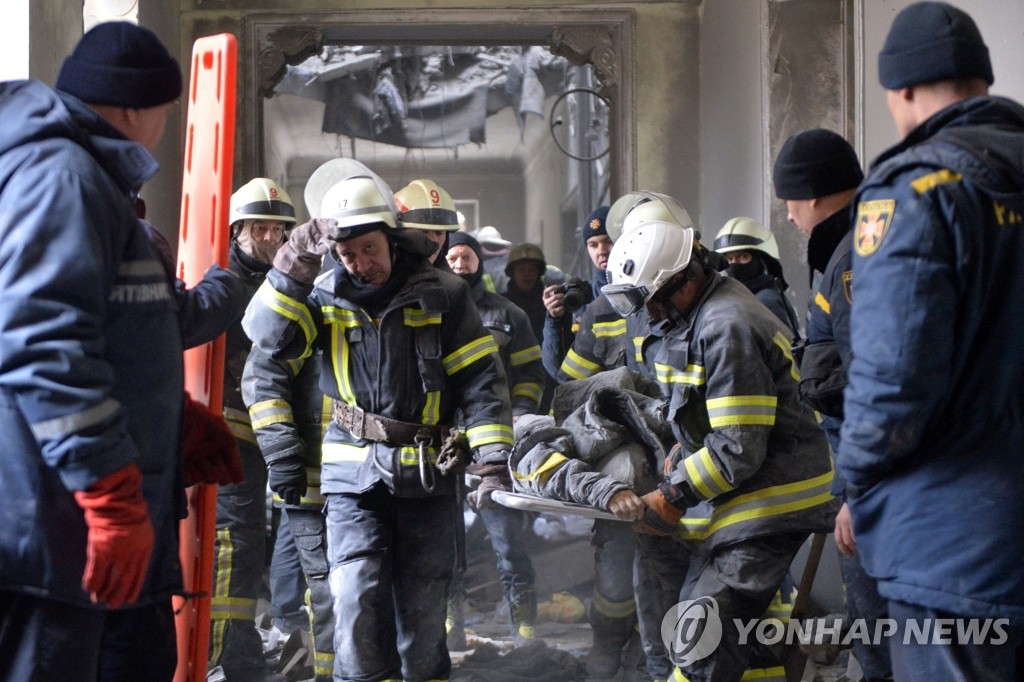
(91, 371)
(933, 426)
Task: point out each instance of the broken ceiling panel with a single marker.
(424, 96)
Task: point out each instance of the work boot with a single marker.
(455, 625)
(522, 610)
(610, 638)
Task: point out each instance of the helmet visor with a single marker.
(626, 299)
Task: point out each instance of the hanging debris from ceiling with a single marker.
(421, 96)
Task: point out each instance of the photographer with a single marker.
(582, 333)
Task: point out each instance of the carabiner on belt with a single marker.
(427, 479)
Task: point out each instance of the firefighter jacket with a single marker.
(91, 368)
(426, 356)
(751, 451)
(769, 291)
(557, 335)
(575, 456)
(933, 433)
(520, 353)
(289, 415)
(252, 272)
(601, 343)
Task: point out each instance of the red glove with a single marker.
(120, 537)
(660, 516)
(211, 453)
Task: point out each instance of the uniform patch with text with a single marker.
(873, 220)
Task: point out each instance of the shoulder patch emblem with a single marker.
(848, 286)
(873, 220)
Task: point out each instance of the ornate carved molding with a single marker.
(284, 46)
(586, 45)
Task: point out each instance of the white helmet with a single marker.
(261, 199)
(358, 204)
(329, 174)
(643, 260)
(641, 206)
(746, 234)
(425, 205)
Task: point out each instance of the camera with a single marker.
(577, 294)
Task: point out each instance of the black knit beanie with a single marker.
(929, 42)
(594, 225)
(121, 64)
(815, 163)
(466, 239)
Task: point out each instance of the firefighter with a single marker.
(288, 413)
(260, 213)
(424, 205)
(403, 351)
(520, 355)
(752, 463)
(753, 256)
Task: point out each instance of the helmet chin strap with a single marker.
(672, 316)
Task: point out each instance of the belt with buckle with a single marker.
(369, 426)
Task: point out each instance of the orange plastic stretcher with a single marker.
(203, 240)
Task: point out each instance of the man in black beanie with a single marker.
(932, 445)
(817, 173)
(91, 371)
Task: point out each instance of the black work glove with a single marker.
(287, 479)
(493, 476)
(302, 256)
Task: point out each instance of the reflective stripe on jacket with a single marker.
(751, 450)
(426, 356)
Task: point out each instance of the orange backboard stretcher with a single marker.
(203, 240)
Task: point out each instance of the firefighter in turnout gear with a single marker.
(403, 351)
(753, 256)
(425, 205)
(753, 469)
(289, 414)
(260, 213)
(520, 355)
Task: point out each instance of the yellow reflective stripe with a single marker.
(528, 354)
(742, 410)
(414, 317)
(613, 609)
(343, 452)
(268, 412)
(431, 408)
(289, 308)
(326, 414)
(782, 342)
(227, 608)
(578, 367)
(489, 283)
(931, 180)
(341, 319)
(489, 434)
(529, 390)
(239, 424)
(312, 495)
(759, 504)
(776, 673)
(705, 476)
(554, 460)
(613, 328)
(638, 347)
(678, 676)
(323, 663)
(822, 303)
(692, 375)
(294, 366)
(409, 455)
(468, 354)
